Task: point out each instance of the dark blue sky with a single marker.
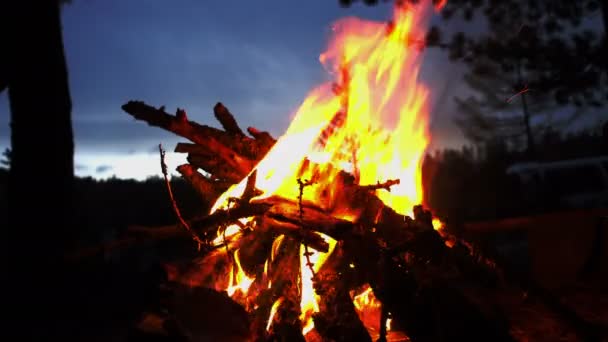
(260, 58)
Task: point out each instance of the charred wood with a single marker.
(205, 187)
(337, 319)
(204, 135)
(223, 115)
(218, 167)
(229, 216)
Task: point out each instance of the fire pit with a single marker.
(320, 235)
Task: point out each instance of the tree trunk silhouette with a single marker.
(530, 147)
(41, 182)
(604, 4)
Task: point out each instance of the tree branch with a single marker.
(207, 188)
(216, 140)
(163, 166)
(223, 115)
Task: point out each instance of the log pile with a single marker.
(433, 284)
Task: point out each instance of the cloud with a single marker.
(103, 169)
(81, 167)
(260, 63)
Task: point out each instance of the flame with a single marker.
(371, 122)
(309, 300)
(273, 311)
(440, 4)
(276, 244)
(365, 299)
(369, 309)
(437, 224)
(238, 280)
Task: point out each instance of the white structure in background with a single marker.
(575, 183)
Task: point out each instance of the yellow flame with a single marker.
(273, 311)
(309, 299)
(376, 121)
(365, 299)
(276, 244)
(372, 122)
(230, 232)
(238, 279)
(437, 224)
(369, 310)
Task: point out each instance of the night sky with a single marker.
(259, 60)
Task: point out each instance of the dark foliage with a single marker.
(471, 184)
(116, 204)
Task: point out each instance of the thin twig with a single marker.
(163, 167)
(386, 185)
(521, 92)
(302, 185)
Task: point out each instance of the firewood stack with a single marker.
(433, 285)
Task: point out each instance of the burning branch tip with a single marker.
(386, 185)
(307, 254)
(250, 189)
(305, 183)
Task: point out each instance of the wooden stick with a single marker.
(226, 216)
(250, 190)
(163, 166)
(219, 168)
(265, 140)
(215, 139)
(295, 231)
(386, 185)
(312, 218)
(208, 189)
(223, 115)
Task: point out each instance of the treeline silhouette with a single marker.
(471, 183)
(465, 184)
(111, 205)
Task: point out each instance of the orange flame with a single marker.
(369, 309)
(273, 311)
(238, 279)
(371, 122)
(309, 302)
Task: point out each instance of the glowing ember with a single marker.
(369, 310)
(437, 224)
(440, 4)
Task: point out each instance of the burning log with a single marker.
(293, 230)
(291, 258)
(406, 262)
(223, 115)
(217, 140)
(337, 319)
(312, 218)
(219, 167)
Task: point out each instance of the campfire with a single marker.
(321, 235)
